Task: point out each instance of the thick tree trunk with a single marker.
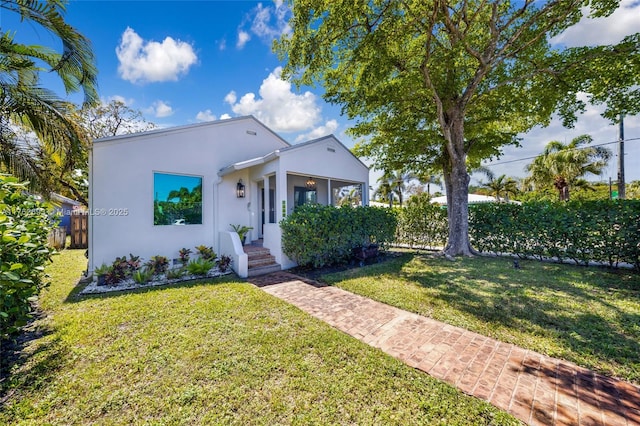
(457, 183)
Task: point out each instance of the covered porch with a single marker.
(322, 171)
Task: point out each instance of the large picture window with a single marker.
(177, 199)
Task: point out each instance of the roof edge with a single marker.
(184, 127)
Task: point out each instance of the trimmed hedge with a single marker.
(24, 226)
(316, 235)
(422, 224)
(583, 231)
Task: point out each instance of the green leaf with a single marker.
(8, 238)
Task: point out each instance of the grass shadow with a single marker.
(30, 361)
(575, 310)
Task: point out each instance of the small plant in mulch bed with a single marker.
(224, 262)
(206, 253)
(133, 263)
(143, 276)
(184, 255)
(200, 266)
(158, 265)
(100, 272)
(121, 269)
(176, 273)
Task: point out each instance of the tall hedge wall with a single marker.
(582, 231)
(422, 224)
(601, 231)
(316, 235)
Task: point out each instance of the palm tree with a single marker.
(25, 105)
(350, 196)
(429, 179)
(384, 191)
(564, 166)
(394, 182)
(501, 187)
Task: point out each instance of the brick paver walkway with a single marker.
(534, 388)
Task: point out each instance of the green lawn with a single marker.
(589, 316)
(214, 353)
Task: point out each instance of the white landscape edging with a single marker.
(130, 284)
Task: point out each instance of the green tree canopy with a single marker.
(441, 85)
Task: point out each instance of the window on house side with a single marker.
(177, 199)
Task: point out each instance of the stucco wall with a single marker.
(121, 191)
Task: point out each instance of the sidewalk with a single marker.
(537, 389)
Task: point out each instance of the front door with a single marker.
(272, 207)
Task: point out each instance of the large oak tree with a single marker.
(441, 85)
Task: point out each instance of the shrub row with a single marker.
(158, 267)
(601, 231)
(24, 226)
(316, 235)
(422, 224)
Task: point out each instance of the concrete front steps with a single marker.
(260, 260)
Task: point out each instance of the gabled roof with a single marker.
(177, 129)
(320, 139)
(272, 155)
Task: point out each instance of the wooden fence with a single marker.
(57, 237)
(79, 230)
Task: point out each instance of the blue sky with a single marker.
(182, 62)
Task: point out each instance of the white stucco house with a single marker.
(155, 192)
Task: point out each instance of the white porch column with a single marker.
(329, 193)
(281, 206)
(267, 201)
(364, 191)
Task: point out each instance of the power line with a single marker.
(536, 156)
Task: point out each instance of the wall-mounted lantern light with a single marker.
(240, 189)
(311, 184)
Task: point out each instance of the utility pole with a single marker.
(621, 158)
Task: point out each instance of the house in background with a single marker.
(64, 207)
(156, 192)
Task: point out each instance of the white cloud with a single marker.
(265, 22)
(225, 117)
(271, 22)
(243, 38)
(149, 61)
(222, 44)
(118, 98)
(160, 109)
(610, 30)
(206, 116)
(231, 97)
(277, 106)
(328, 128)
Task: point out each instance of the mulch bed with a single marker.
(317, 273)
